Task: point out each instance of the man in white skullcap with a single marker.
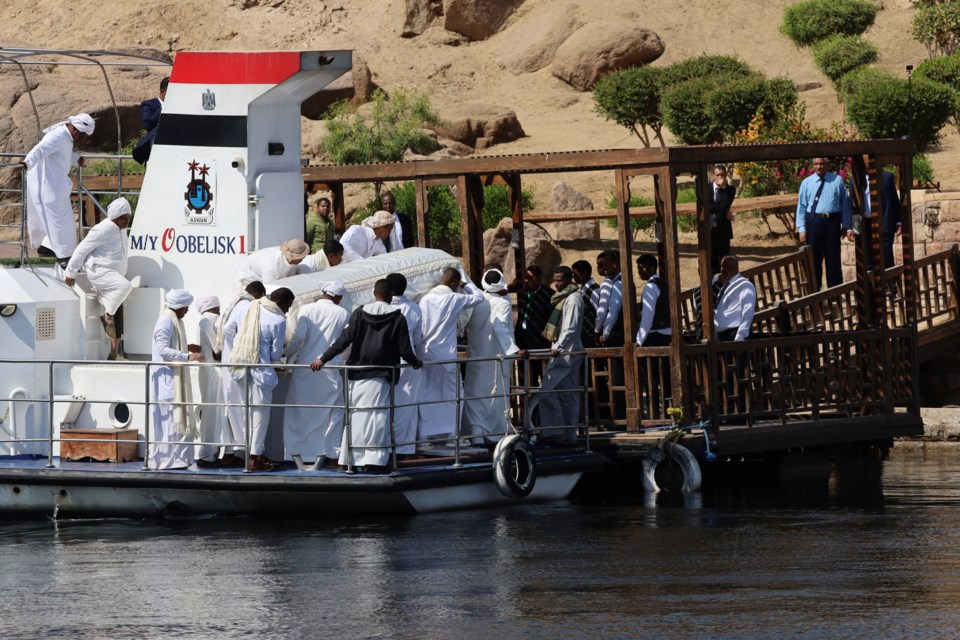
(489, 334)
(365, 240)
(312, 432)
(172, 425)
(50, 221)
(441, 307)
(103, 257)
(213, 418)
(273, 263)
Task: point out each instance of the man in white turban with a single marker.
(273, 263)
(50, 221)
(103, 257)
(365, 240)
(312, 432)
(213, 416)
(489, 334)
(172, 424)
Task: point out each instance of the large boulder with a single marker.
(477, 19)
(539, 248)
(531, 44)
(566, 198)
(356, 86)
(481, 125)
(600, 47)
(419, 15)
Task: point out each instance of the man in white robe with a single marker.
(260, 341)
(213, 416)
(172, 424)
(405, 418)
(365, 240)
(312, 432)
(329, 256)
(378, 336)
(273, 263)
(50, 221)
(235, 432)
(441, 307)
(559, 403)
(103, 257)
(489, 334)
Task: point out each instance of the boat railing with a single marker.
(121, 413)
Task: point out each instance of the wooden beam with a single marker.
(423, 230)
(515, 187)
(628, 297)
(765, 203)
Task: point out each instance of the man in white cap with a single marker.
(103, 257)
(441, 307)
(260, 341)
(312, 432)
(172, 426)
(273, 263)
(53, 230)
(365, 240)
(489, 334)
(213, 416)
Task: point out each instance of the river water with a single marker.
(883, 564)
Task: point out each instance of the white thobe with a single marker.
(441, 308)
(490, 333)
(263, 380)
(736, 305)
(213, 419)
(103, 256)
(562, 374)
(266, 265)
(314, 431)
(312, 263)
(177, 453)
(234, 434)
(407, 391)
(49, 211)
(361, 242)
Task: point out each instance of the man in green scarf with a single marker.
(559, 403)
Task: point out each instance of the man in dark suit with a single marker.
(150, 117)
(890, 203)
(722, 194)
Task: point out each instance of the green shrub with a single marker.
(859, 78)
(839, 55)
(946, 71)
(781, 97)
(880, 109)
(631, 98)
(685, 193)
(936, 25)
(704, 66)
(685, 111)
(496, 204)
(808, 22)
(922, 169)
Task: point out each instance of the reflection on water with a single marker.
(734, 567)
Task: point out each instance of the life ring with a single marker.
(680, 455)
(514, 467)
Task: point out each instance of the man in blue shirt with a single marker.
(823, 216)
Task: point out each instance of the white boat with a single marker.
(236, 116)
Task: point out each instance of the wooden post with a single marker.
(516, 209)
(629, 297)
(469, 193)
(666, 198)
(339, 207)
(423, 206)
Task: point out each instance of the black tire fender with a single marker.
(514, 467)
(692, 478)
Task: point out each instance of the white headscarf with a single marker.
(178, 299)
(82, 123)
(497, 286)
(119, 207)
(379, 219)
(294, 250)
(207, 302)
(334, 289)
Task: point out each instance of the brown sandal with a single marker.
(260, 463)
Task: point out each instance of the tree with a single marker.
(880, 109)
(631, 98)
(808, 22)
(937, 26)
(383, 133)
(946, 71)
(837, 56)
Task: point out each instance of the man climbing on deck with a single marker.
(367, 239)
(273, 263)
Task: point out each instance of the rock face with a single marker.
(531, 44)
(601, 47)
(481, 125)
(477, 19)
(539, 248)
(356, 86)
(419, 15)
(566, 198)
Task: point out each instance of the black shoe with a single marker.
(206, 464)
